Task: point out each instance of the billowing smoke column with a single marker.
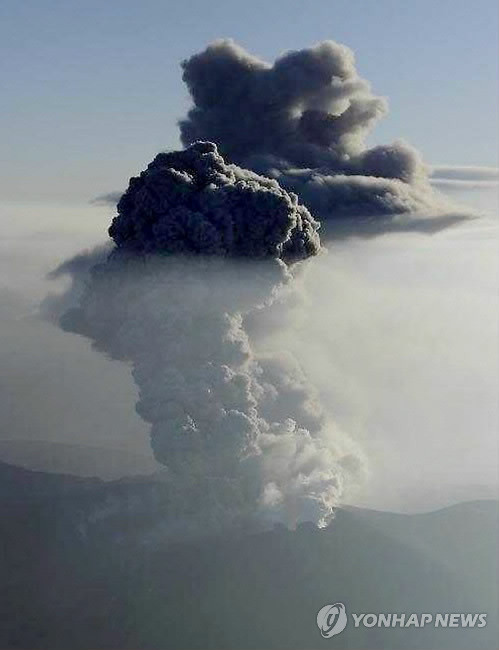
(192, 202)
(201, 248)
(303, 121)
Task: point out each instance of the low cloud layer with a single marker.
(460, 177)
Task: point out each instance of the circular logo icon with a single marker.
(332, 619)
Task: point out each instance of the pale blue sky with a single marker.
(91, 90)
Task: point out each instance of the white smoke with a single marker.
(244, 424)
(204, 271)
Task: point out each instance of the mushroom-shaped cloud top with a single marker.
(192, 202)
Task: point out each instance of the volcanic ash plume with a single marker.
(201, 248)
(303, 121)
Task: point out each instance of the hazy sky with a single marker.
(91, 90)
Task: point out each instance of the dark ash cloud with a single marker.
(310, 108)
(192, 202)
(303, 121)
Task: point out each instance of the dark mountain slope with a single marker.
(74, 579)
